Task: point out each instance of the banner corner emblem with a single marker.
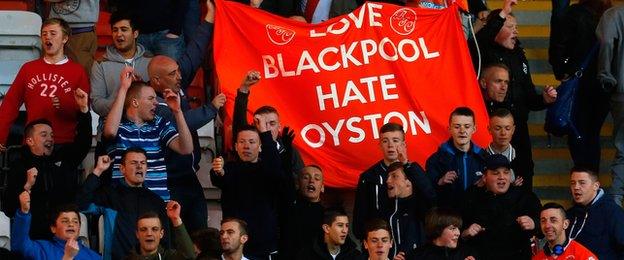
(279, 35)
(403, 21)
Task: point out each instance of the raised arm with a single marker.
(183, 144)
(240, 103)
(74, 154)
(184, 244)
(116, 113)
(20, 241)
(195, 52)
(88, 192)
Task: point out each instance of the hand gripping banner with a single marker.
(336, 83)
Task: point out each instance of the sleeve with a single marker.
(76, 152)
(534, 207)
(216, 180)
(101, 102)
(90, 193)
(184, 244)
(616, 227)
(534, 100)
(561, 41)
(608, 34)
(270, 158)
(423, 184)
(195, 52)
(297, 162)
(360, 208)
(178, 14)
(198, 117)
(240, 113)
(168, 132)
(20, 241)
(15, 186)
(488, 33)
(84, 81)
(13, 100)
(476, 6)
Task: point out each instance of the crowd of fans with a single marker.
(467, 202)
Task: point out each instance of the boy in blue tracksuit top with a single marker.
(458, 162)
(64, 244)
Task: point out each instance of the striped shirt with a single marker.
(152, 136)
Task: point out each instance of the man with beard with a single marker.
(150, 231)
(132, 121)
(50, 175)
(498, 43)
(46, 87)
(304, 215)
(596, 219)
(335, 243)
(553, 223)
(121, 203)
(501, 220)
(233, 238)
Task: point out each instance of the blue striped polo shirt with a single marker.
(152, 136)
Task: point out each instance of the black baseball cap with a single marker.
(495, 161)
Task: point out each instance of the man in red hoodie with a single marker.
(46, 86)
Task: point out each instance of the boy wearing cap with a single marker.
(406, 187)
(501, 218)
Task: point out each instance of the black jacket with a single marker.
(521, 93)
(433, 252)
(571, 39)
(249, 192)
(468, 166)
(318, 251)
(57, 178)
(503, 238)
(371, 197)
(129, 203)
(406, 217)
(300, 227)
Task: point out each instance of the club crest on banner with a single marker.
(279, 35)
(403, 21)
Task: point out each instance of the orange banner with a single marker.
(336, 83)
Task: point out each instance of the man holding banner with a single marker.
(337, 82)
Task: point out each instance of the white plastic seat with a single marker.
(5, 231)
(84, 230)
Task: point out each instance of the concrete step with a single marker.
(563, 180)
(537, 129)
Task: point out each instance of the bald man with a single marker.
(166, 73)
(126, 52)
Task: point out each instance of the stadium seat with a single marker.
(19, 43)
(101, 233)
(84, 230)
(103, 32)
(13, 5)
(5, 231)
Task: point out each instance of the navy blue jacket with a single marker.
(122, 206)
(371, 197)
(603, 232)
(468, 165)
